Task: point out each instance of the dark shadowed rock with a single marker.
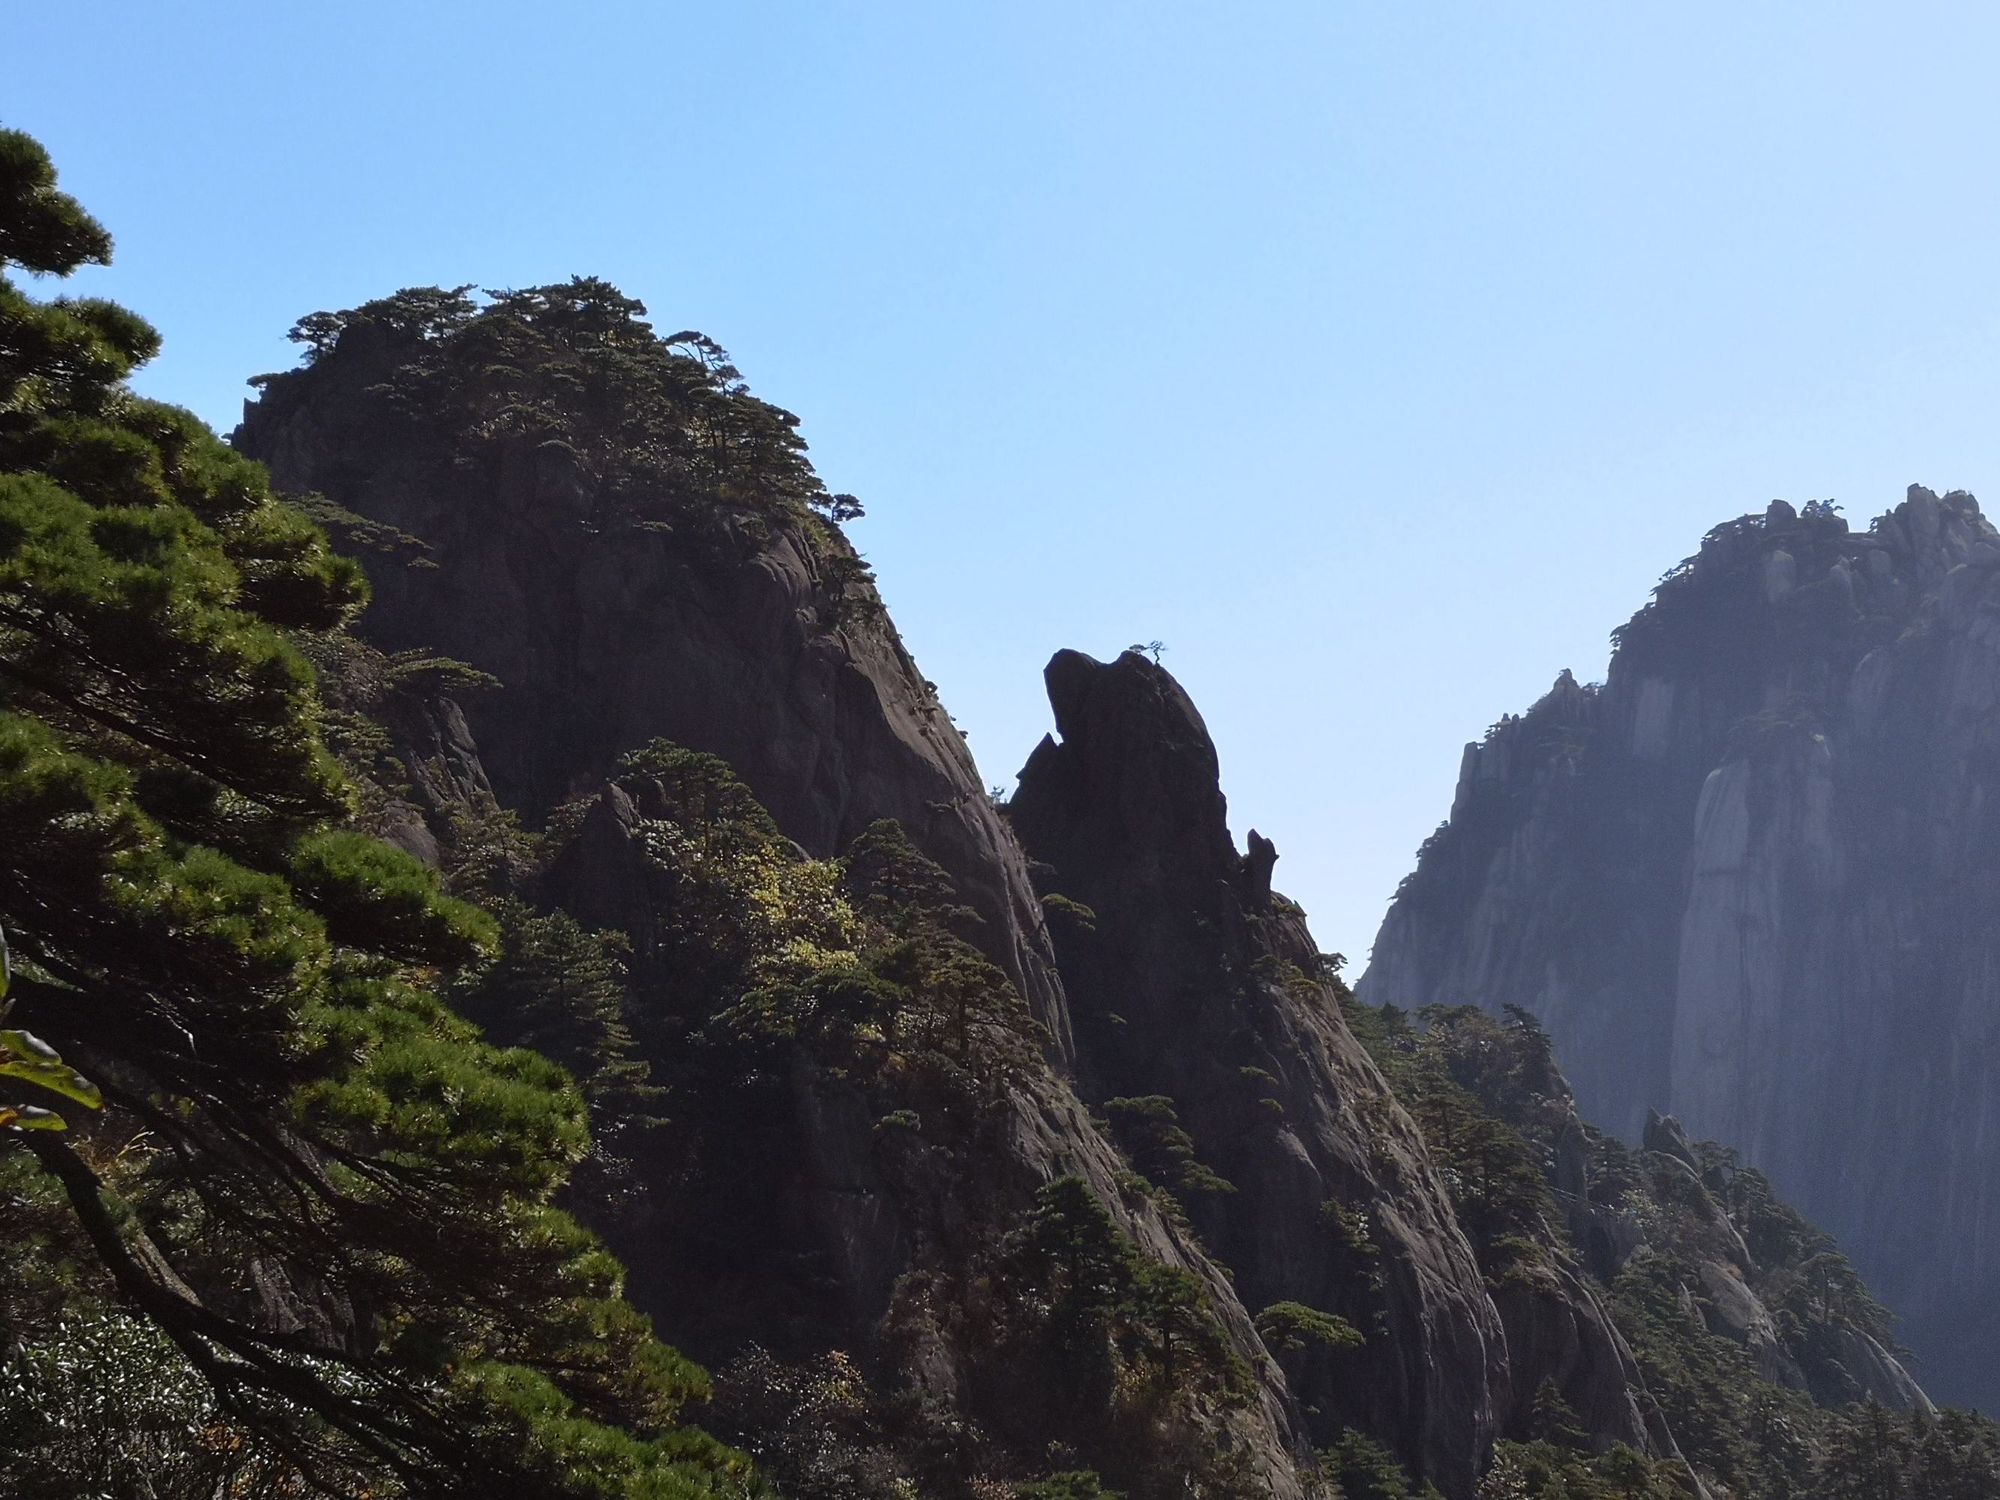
(875, 1221)
(1198, 984)
(1663, 1133)
(1877, 1375)
(608, 637)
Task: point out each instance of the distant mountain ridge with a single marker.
(1752, 880)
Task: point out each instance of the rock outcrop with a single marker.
(1191, 981)
(759, 644)
(1752, 880)
(1183, 1230)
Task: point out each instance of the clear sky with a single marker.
(1375, 357)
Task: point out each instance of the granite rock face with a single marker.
(877, 1222)
(1190, 980)
(1752, 879)
(1179, 991)
(605, 638)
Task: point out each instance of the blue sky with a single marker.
(1375, 357)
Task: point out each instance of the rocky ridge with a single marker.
(1176, 993)
(1748, 880)
(1193, 981)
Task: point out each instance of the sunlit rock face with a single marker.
(1754, 880)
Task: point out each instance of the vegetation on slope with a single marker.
(806, 1018)
(1776, 1419)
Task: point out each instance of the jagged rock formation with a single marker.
(884, 1231)
(608, 637)
(1752, 879)
(865, 1140)
(760, 644)
(1191, 980)
(1185, 958)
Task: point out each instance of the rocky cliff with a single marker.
(1752, 878)
(975, 1148)
(805, 1198)
(1195, 983)
(763, 644)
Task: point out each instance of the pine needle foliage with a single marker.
(660, 430)
(312, 1178)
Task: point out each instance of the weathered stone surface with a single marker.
(1736, 1312)
(1557, 1330)
(872, 1223)
(1663, 1133)
(1191, 978)
(1878, 1375)
(608, 638)
(1753, 879)
(605, 640)
(1196, 983)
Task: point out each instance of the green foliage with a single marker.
(847, 583)
(659, 431)
(1550, 1471)
(1114, 1307)
(1554, 1420)
(1810, 1286)
(1362, 1469)
(1460, 1076)
(1072, 917)
(1293, 1328)
(107, 1405)
(375, 897)
(739, 907)
(1872, 1454)
(488, 857)
(814, 1426)
(1077, 1484)
(563, 991)
(1122, 1354)
(702, 794)
(28, 1061)
(330, 1197)
(42, 229)
(1492, 1107)
(1725, 1417)
(967, 1019)
(776, 993)
(1149, 1132)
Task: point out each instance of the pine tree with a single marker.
(309, 1174)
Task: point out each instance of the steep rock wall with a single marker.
(754, 644)
(1191, 980)
(1753, 879)
(862, 1224)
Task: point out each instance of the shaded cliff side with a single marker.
(835, 1140)
(691, 599)
(1751, 880)
(962, 1171)
(1195, 984)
